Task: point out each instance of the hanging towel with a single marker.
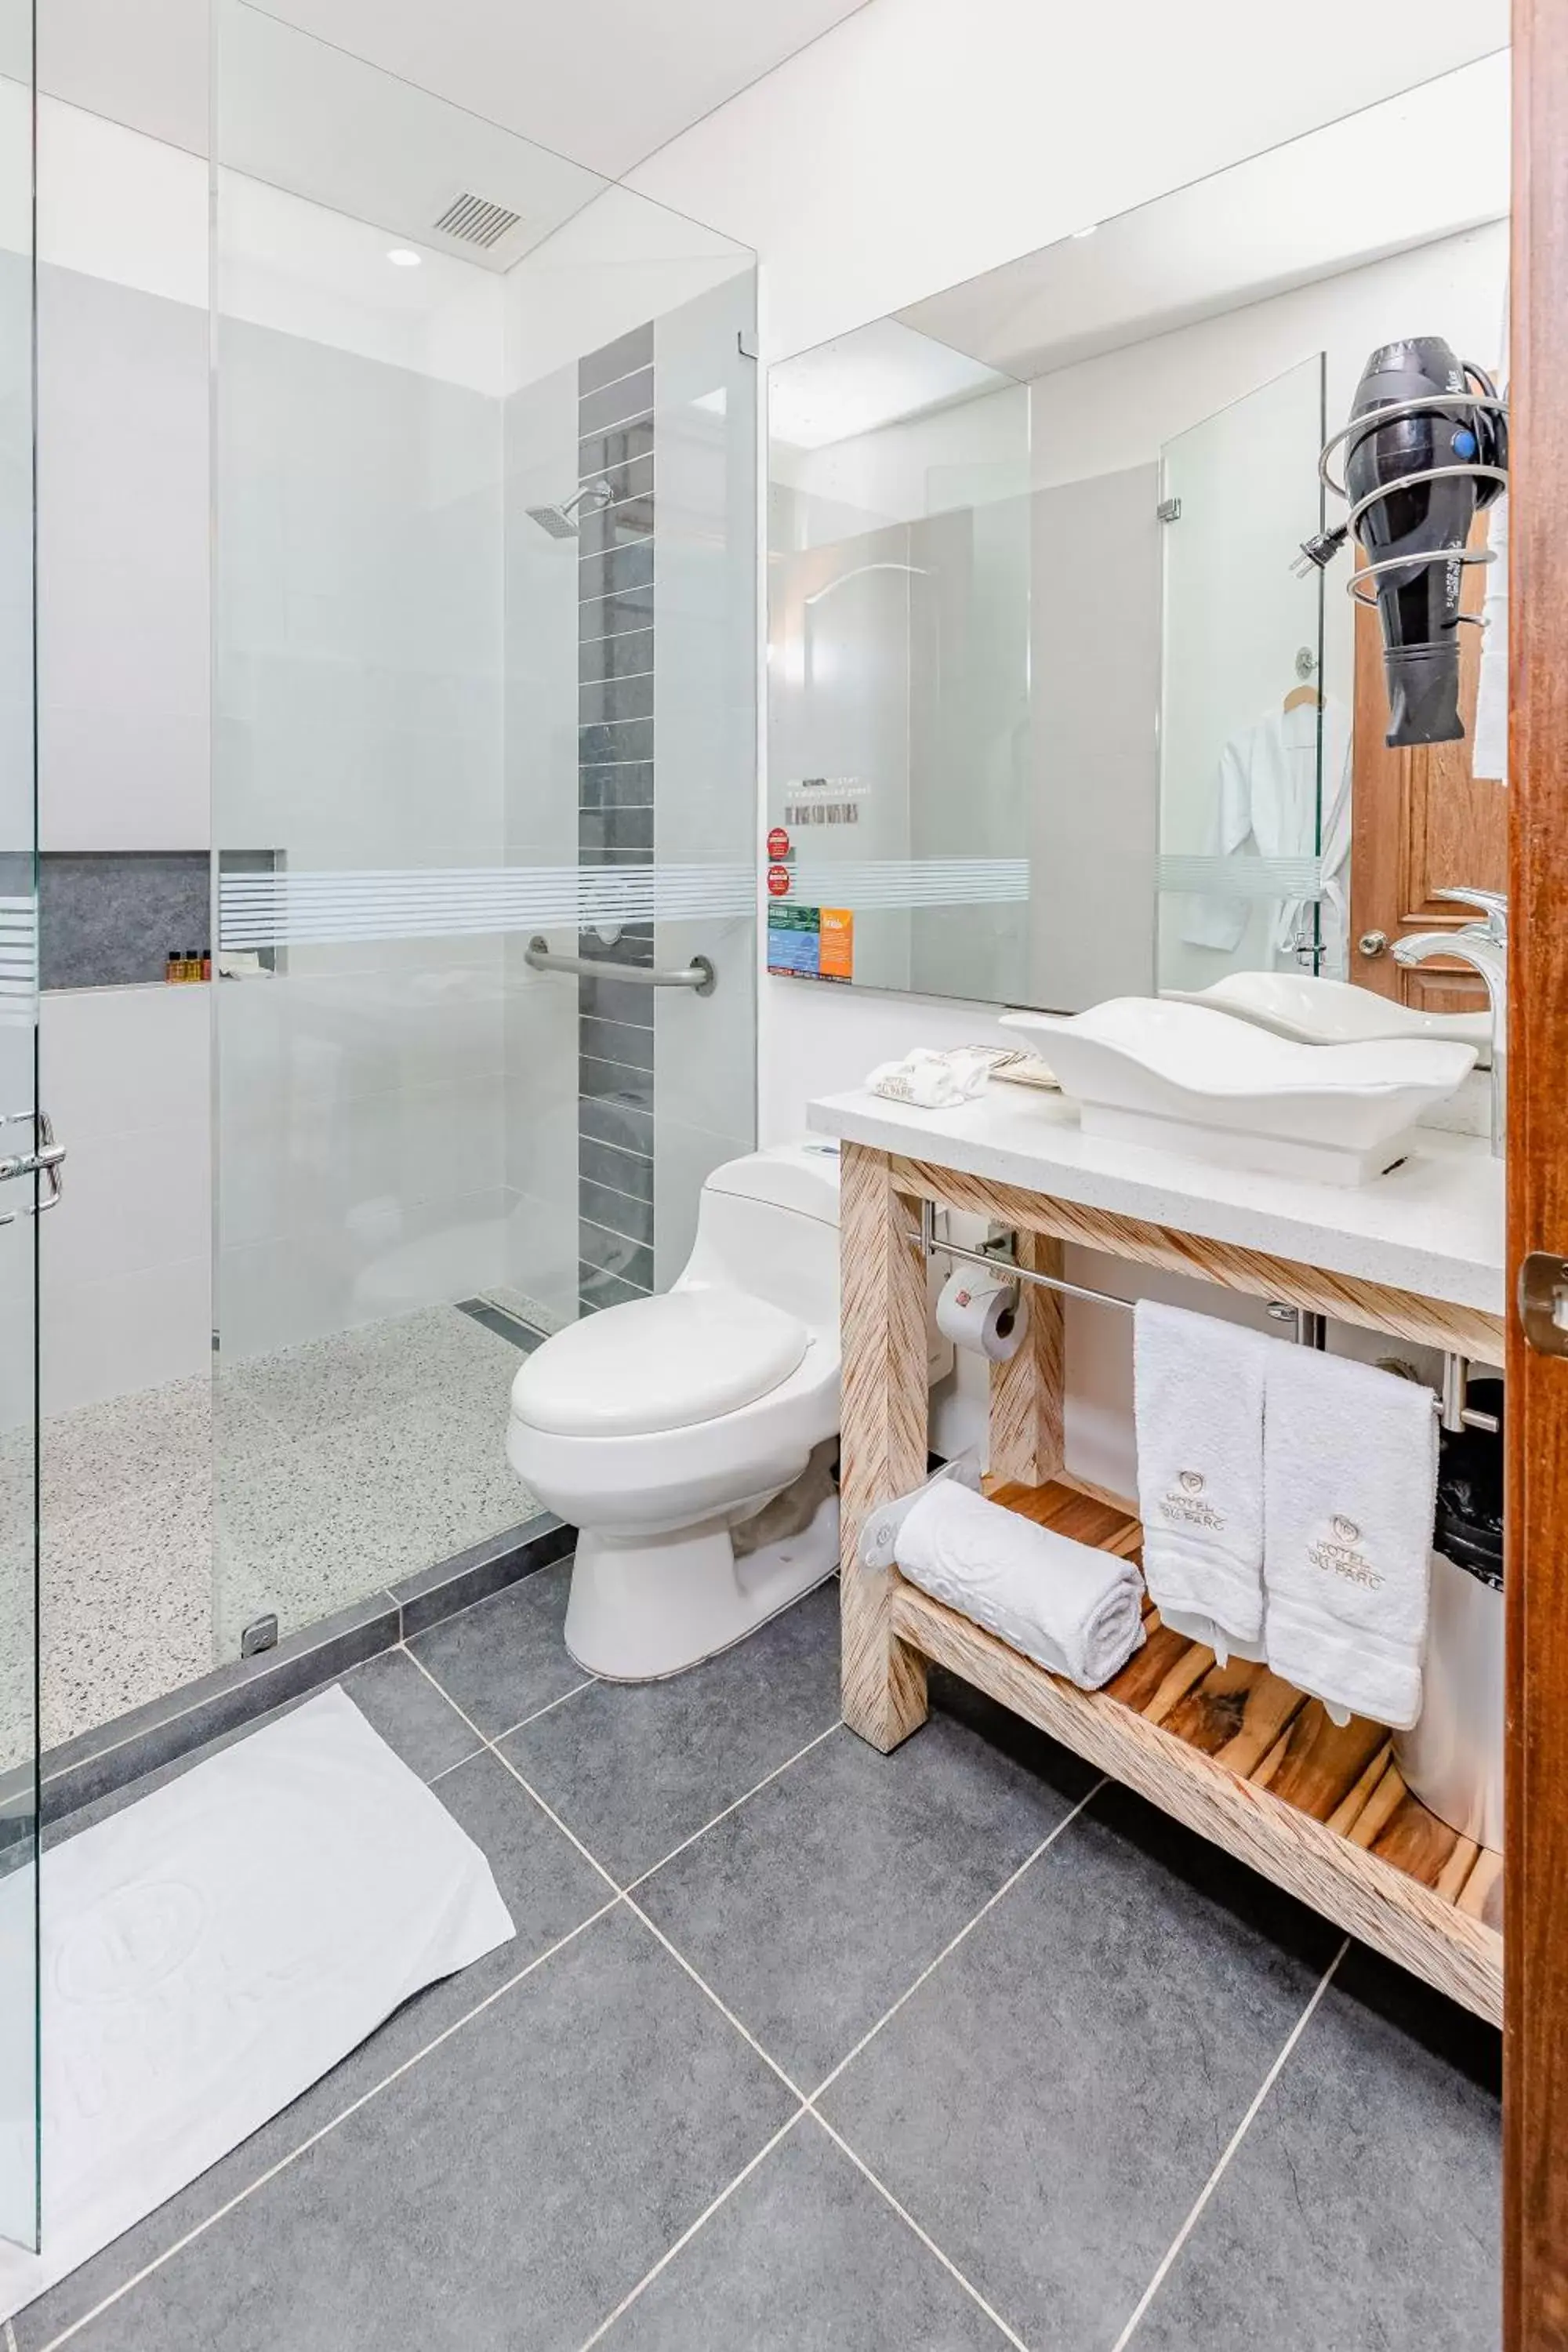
(1074, 1610)
(1350, 1485)
(1198, 1407)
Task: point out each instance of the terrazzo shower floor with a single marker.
(340, 1466)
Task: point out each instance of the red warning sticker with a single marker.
(778, 842)
(778, 881)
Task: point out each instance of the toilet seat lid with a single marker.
(658, 1363)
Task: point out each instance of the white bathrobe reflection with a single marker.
(1267, 809)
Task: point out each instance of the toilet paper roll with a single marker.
(982, 1311)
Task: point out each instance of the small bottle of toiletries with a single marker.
(207, 969)
(171, 962)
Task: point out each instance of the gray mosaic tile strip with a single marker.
(627, 352)
(614, 1041)
(616, 573)
(617, 1213)
(617, 783)
(627, 655)
(615, 829)
(625, 1126)
(624, 400)
(602, 702)
(616, 661)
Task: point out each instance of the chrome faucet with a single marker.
(1482, 946)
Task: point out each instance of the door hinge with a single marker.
(1168, 510)
(1544, 1302)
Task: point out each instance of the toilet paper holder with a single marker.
(1310, 1327)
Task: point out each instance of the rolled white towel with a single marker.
(1077, 1610)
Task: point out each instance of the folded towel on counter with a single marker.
(1077, 1610)
(1350, 1482)
(1197, 1387)
(935, 1081)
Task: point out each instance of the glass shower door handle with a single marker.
(46, 1159)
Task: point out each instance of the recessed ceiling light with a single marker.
(403, 257)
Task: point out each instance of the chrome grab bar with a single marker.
(1454, 1413)
(698, 975)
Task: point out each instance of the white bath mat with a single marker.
(212, 1950)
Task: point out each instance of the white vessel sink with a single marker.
(1330, 1012)
(1184, 1078)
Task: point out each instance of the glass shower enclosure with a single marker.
(469, 559)
(483, 698)
(21, 1136)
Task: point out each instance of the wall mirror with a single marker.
(1052, 717)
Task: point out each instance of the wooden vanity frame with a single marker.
(1235, 1753)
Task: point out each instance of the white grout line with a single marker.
(653, 1868)
(722, 2007)
(1238, 2135)
(10, 2337)
(687, 2235)
(506, 1763)
(909, 1990)
(587, 1683)
(929, 2243)
(552, 1815)
(283, 2163)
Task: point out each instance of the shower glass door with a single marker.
(484, 559)
(1254, 818)
(19, 2130)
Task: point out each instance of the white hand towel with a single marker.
(1074, 1610)
(934, 1081)
(1198, 1406)
(1350, 1482)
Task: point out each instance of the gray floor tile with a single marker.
(505, 2198)
(804, 2256)
(636, 1768)
(410, 1714)
(814, 1906)
(1362, 2208)
(549, 1890)
(1050, 2101)
(504, 1657)
(393, 1697)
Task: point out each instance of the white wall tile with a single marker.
(133, 1332)
(123, 506)
(122, 1061)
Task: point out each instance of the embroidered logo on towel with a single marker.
(1339, 1557)
(1184, 1502)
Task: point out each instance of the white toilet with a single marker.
(660, 1427)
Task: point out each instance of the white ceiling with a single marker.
(1418, 167)
(603, 82)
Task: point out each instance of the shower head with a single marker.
(559, 520)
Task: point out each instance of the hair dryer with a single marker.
(1426, 448)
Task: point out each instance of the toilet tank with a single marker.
(768, 1224)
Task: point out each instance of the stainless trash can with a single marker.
(1452, 1760)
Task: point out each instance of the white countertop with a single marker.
(1434, 1225)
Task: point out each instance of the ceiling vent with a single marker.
(475, 221)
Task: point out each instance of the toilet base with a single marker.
(645, 1607)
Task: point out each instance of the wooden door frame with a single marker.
(1535, 2034)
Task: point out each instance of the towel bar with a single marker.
(1455, 1413)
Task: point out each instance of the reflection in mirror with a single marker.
(1052, 716)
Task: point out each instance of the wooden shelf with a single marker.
(1246, 1759)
